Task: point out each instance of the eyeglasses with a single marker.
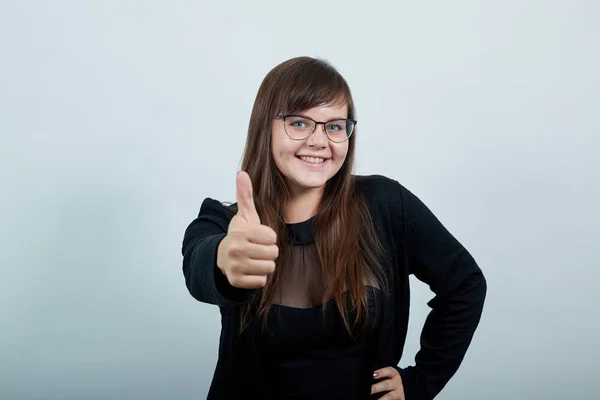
(299, 127)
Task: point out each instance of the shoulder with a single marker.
(374, 183)
(379, 188)
(388, 196)
(382, 188)
(383, 196)
(216, 211)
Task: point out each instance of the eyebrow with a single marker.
(330, 119)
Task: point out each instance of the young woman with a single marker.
(310, 268)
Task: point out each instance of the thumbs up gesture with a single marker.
(247, 254)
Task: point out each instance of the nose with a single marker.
(318, 138)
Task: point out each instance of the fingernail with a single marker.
(375, 374)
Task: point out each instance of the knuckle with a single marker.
(234, 280)
(235, 250)
(261, 281)
(235, 267)
(272, 234)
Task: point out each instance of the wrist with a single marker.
(221, 255)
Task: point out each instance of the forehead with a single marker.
(326, 112)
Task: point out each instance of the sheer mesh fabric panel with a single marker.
(301, 283)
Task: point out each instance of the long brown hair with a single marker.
(347, 246)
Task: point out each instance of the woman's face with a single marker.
(308, 164)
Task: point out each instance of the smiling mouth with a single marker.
(312, 160)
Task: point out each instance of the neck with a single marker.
(303, 205)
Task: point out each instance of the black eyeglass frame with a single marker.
(283, 117)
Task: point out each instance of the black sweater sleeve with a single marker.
(436, 258)
(204, 280)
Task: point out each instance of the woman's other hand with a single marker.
(390, 382)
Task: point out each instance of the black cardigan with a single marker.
(416, 243)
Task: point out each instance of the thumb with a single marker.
(245, 200)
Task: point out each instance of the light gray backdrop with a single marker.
(118, 118)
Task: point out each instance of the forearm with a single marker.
(446, 336)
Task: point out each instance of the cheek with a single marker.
(276, 146)
(283, 147)
(340, 152)
(281, 150)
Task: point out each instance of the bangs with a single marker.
(310, 83)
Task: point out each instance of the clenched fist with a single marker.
(247, 254)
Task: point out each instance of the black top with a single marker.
(307, 351)
(309, 357)
(415, 242)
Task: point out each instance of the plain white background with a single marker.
(118, 118)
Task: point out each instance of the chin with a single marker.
(304, 183)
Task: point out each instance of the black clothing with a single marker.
(307, 351)
(415, 242)
(305, 358)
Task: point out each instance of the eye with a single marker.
(298, 123)
(335, 127)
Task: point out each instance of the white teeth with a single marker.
(313, 160)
